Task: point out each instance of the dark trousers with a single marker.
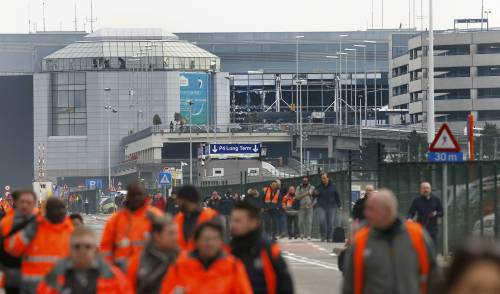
(433, 233)
(271, 218)
(12, 290)
(292, 222)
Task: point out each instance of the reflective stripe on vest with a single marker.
(416, 235)
(268, 196)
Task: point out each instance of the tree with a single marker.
(370, 154)
(414, 147)
(487, 143)
(156, 120)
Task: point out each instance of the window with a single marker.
(486, 71)
(493, 48)
(399, 71)
(452, 72)
(416, 75)
(69, 105)
(488, 93)
(451, 50)
(488, 115)
(452, 116)
(451, 94)
(400, 90)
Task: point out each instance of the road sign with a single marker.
(222, 151)
(165, 178)
(444, 141)
(445, 156)
(93, 184)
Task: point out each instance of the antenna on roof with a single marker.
(29, 17)
(92, 19)
(76, 20)
(43, 14)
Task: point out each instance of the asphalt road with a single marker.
(312, 263)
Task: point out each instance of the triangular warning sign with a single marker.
(164, 180)
(444, 141)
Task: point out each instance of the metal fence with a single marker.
(473, 193)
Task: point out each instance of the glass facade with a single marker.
(69, 104)
(485, 93)
(452, 94)
(131, 55)
(493, 48)
(487, 71)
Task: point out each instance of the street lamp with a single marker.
(190, 104)
(366, 85)
(111, 110)
(487, 12)
(299, 100)
(297, 39)
(355, 84)
(430, 96)
(375, 76)
(340, 85)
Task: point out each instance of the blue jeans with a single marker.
(326, 217)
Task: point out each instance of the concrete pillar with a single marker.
(331, 147)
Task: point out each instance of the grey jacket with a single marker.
(391, 263)
(304, 195)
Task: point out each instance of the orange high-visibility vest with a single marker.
(207, 214)
(274, 199)
(415, 232)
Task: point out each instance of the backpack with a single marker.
(7, 260)
(339, 235)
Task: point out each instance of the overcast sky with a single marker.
(236, 15)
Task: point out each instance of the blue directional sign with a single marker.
(165, 179)
(235, 150)
(93, 184)
(445, 156)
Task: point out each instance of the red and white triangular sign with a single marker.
(444, 141)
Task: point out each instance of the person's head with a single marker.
(381, 209)
(173, 195)
(475, 269)
(83, 251)
(425, 189)
(278, 184)
(164, 233)
(368, 190)
(188, 198)
(136, 196)
(274, 185)
(291, 190)
(324, 179)
(305, 181)
(209, 239)
(215, 194)
(24, 201)
(55, 210)
(76, 219)
(245, 218)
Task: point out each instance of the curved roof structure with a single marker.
(120, 49)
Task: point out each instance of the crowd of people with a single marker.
(223, 244)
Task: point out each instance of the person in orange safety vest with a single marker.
(24, 212)
(41, 244)
(207, 269)
(84, 271)
(385, 247)
(128, 229)
(5, 205)
(265, 266)
(190, 215)
(148, 268)
(271, 209)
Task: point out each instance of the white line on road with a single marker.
(306, 260)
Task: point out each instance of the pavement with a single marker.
(312, 263)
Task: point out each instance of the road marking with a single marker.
(309, 261)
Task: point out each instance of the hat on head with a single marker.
(189, 193)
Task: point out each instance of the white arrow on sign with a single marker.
(255, 149)
(215, 149)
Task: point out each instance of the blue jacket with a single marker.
(328, 196)
(423, 207)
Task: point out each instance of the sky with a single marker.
(237, 15)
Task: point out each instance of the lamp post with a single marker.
(487, 12)
(366, 85)
(374, 77)
(297, 39)
(430, 96)
(111, 110)
(335, 78)
(190, 104)
(355, 84)
(340, 53)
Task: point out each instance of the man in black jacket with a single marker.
(266, 268)
(327, 202)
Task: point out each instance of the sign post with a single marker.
(445, 149)
(165, 180)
